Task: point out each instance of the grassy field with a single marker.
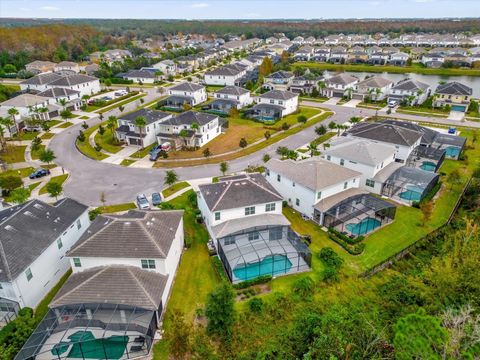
(23, 172)
(108, 142)
(174, 188)
(60, 179)
(387, 68)
(13, 154)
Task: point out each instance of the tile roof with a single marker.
(232, 90)
(113, 284)
(137, 234)
(342, 79)
(313, 173)
(362, 151)
(279, 95)
(190, 117)
(249, 190)
(58, 92)
(227, 70)
(74, 79)
(375, 82)
(385, 132)
(27, 230)
(411, 85)
(150, 115)
(42, 79)
(24, 100)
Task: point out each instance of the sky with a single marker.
(239, 9)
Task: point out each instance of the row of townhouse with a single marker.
(123, 269)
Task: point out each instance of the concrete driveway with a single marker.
(332, 101)
(352, 103)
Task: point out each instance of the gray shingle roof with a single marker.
(58, 92)
(280, 75)
(140, 74)
(27, 230)
(227, 70)
(190, 117)
(382, 131)
(247, 191)
(411, 85)
(314, 173)
(137, 234)
(186, 86)
(232, 90)
(113, 284)
(24, 100)
(362, 151)
(279, 95)
(342, 79)
(375, 82)
(150, 115)
(454, 88)
(42, 79)
(71, 80)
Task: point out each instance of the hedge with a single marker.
(348, 239)
(220, 270)
(258, 280)
(351, 249)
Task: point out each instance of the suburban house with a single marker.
(376, 88)
(338, 55)
(140, 76)
(225, 75)
(39, 66)
(132, 134)
(85, 84)
(399, 58)
(367, 157)
(230, 97)
(409, 91)
(167, 67)
(123, 270)
(243, 215)
(305, 84)
(358, 56)
(110, 56)
(279, 80)
(433, 60)
(453, 94)
(34, 238)
(305, 53)
(57, 95)
(404, 140)
(189, 129)
(339, 85)
(91, 69)
(184, 93)
(274, 105)
(67, 67)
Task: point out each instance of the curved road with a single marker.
(89, 178)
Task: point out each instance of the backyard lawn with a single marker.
(60, 179)
(13, 154)
(174, 188)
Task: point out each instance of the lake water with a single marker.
(432, 80)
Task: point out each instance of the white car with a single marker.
(392, 103)
(142, 202)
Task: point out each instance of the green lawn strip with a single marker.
(84, 117)
(42, 308)
(35, 154)
(52, 123)
(387, 68)
(108, 209)
(33, 186)
(140, 154)
(25, 135)
(127, 162)
(60, 179)
(420, 113)
(47, 136)
(116, 105)
(369, 106)
(323, 138)
(249, 150)
(23, 172)
(93, 107)
(196, 276)
(318, 100)
(65, 125)
(174, 188)
(107, 142)
(13, 154)
(86, 149)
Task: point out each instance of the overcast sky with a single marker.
(239, 9)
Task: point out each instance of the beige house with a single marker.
(39, 66)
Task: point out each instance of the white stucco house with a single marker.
(229, 97)
(339, 85)
(274, 105)
(225, 75)
(85, 84)
(131, 134)
(34, 238)
(410, 91)
(167, 67)
(184, 93)
(376, 88)
(141, 76)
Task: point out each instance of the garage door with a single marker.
(133, 141)
(357, 97)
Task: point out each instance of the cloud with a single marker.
(49, 8)
(24, 9)
(200, 5)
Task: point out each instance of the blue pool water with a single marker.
(364, 226)
(270, 265)
(452, 151)
(413, 193)
(428, 166)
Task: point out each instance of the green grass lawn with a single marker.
(13, 154)
(196, 275)
(42, 308)
(33, 186)
(174, 188)
(118, 104)
(127, 162)
(421, 113)
(86, 149)
(65, 124)
(84, 117)
(52, 123)
(23, 172)
(47, 135)
(60, 179)
(108, 209)
(26, 135)
(108, 142)
(140, 154)
(36, 153)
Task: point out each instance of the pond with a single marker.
(432, 80)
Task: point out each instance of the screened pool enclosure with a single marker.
(408, 184)
(267, 250)
(91, 331)
(426, 158)
(452, 144)
(359, 215)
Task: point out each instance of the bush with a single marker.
(304, 286)
(285, 126)
(259, 280)
(347, 239)
(356, 249)
(255, 305)
(330, 258)
(92, 214)
(16, 332)
(220, 270)
(330, 275)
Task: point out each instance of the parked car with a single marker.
(107, 98)
(392, 103)
(166, 146)
(155, 152)
(120, 93)
(156, 199)
(142, 202)
(39, 173)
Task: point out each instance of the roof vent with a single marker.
(38, 206)
(127, 222)
(28, 213)
(10, 228)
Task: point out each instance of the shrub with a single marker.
(255, 305)
(330, 258)
(259, 280)
(351, 246)
(81, 136)
(304, 286)
(347, 239)
(330, 275)
(92, 214)
(220, 270)
(98, 148)
(285, 126)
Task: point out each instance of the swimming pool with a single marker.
(270, 265)
(452, 151)
(363, 227)
(428, 166)
(413, 193)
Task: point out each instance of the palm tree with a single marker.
(47, 156)
(140, 122)
(14, 112)
(195, 126)
(43, 110)
(2, 133)
(85, 99)
(184, 134)
(112, 124)
(63, 102)
(312, 148)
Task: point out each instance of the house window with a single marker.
(28, 274)
(59, 243)
(229, 240)
(297, 202)
(77, 262)
(250, 210)
(370, 183)
(148, 264)
(79, 224)
(345, 184)
(253, 236)
(293, 183)
(278, 178)
(342, 162)
(272, 101)
(328, 157)
(270, 207)
(275, 234)
(217, 215)
(319, 195)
